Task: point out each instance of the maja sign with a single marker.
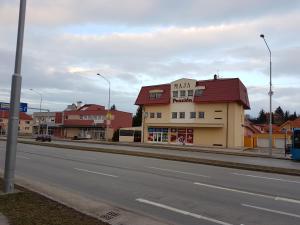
(182, 85)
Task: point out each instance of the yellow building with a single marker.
(191, 112)
(25, 123)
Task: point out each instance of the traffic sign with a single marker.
(5, 106)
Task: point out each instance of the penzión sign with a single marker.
(182, 100)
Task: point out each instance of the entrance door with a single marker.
(157, 137)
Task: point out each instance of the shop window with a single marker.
(152, 115)
(158, 115)
(182, 136)
(198, 92)
(182, 115)
(174, 115)
(190, 93)
(192, 115)
(175, 94)
(182, 93)
(158, 135)
(201, 115)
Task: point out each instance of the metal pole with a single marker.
(13, 124)
(108, 110)
(39, 128)
(270, 94)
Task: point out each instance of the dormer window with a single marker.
(198, 92)
(155, 94)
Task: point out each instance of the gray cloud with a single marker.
(137, 43)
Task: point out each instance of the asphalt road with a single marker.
(178, 192)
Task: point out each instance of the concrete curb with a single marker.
(220, 163)
(110, 214)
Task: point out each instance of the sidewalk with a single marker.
(257, 152)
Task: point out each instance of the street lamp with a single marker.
(14, 110)
(108, 109)
(41, 96)
(270, 94)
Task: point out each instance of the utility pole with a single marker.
(14, 110)
(270, 95)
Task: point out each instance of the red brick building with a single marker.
(90, 121)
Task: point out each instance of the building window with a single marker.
(1, 120)
(190, 93)
(182, 93)
(81, 117)
(192, 115)
(174, 115)
(182, 115)
(155, 95)
(198, 92)
(158, 115)
(27, 122)
(152, 115)
(175, 94)
(201, 115)
(66, 117)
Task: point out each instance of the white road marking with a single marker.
(287, 200)
(22, 157)
(268, 178)
(277, 198)
(176, 171)
(271, 210)
(94, 172)
(234, 190)
(181, 211)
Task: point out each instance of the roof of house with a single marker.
(216, 91)
(22, 115)
(88, 109)
(294, 123)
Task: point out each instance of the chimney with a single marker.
(79, 104)
(215, 77)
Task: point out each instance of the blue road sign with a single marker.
(5, 106)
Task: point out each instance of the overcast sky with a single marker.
(146, 42)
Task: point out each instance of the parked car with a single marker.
(43, 138)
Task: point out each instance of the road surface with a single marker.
(181, 193)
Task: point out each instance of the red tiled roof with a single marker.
(88, 109)
(22, 115)
(143, 97)
(220, 90)
(294, 123)
(223, 90)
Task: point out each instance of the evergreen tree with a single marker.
(137, 119)
(286, 116)
(262, 118)
(113, 107)
(293, 116)
(279, 118)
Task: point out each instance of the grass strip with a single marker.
(29, 208)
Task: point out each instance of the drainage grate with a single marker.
(110, 215)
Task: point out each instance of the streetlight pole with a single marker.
(108, 109)
(270, 94)
(14, 109)
(41, 96)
